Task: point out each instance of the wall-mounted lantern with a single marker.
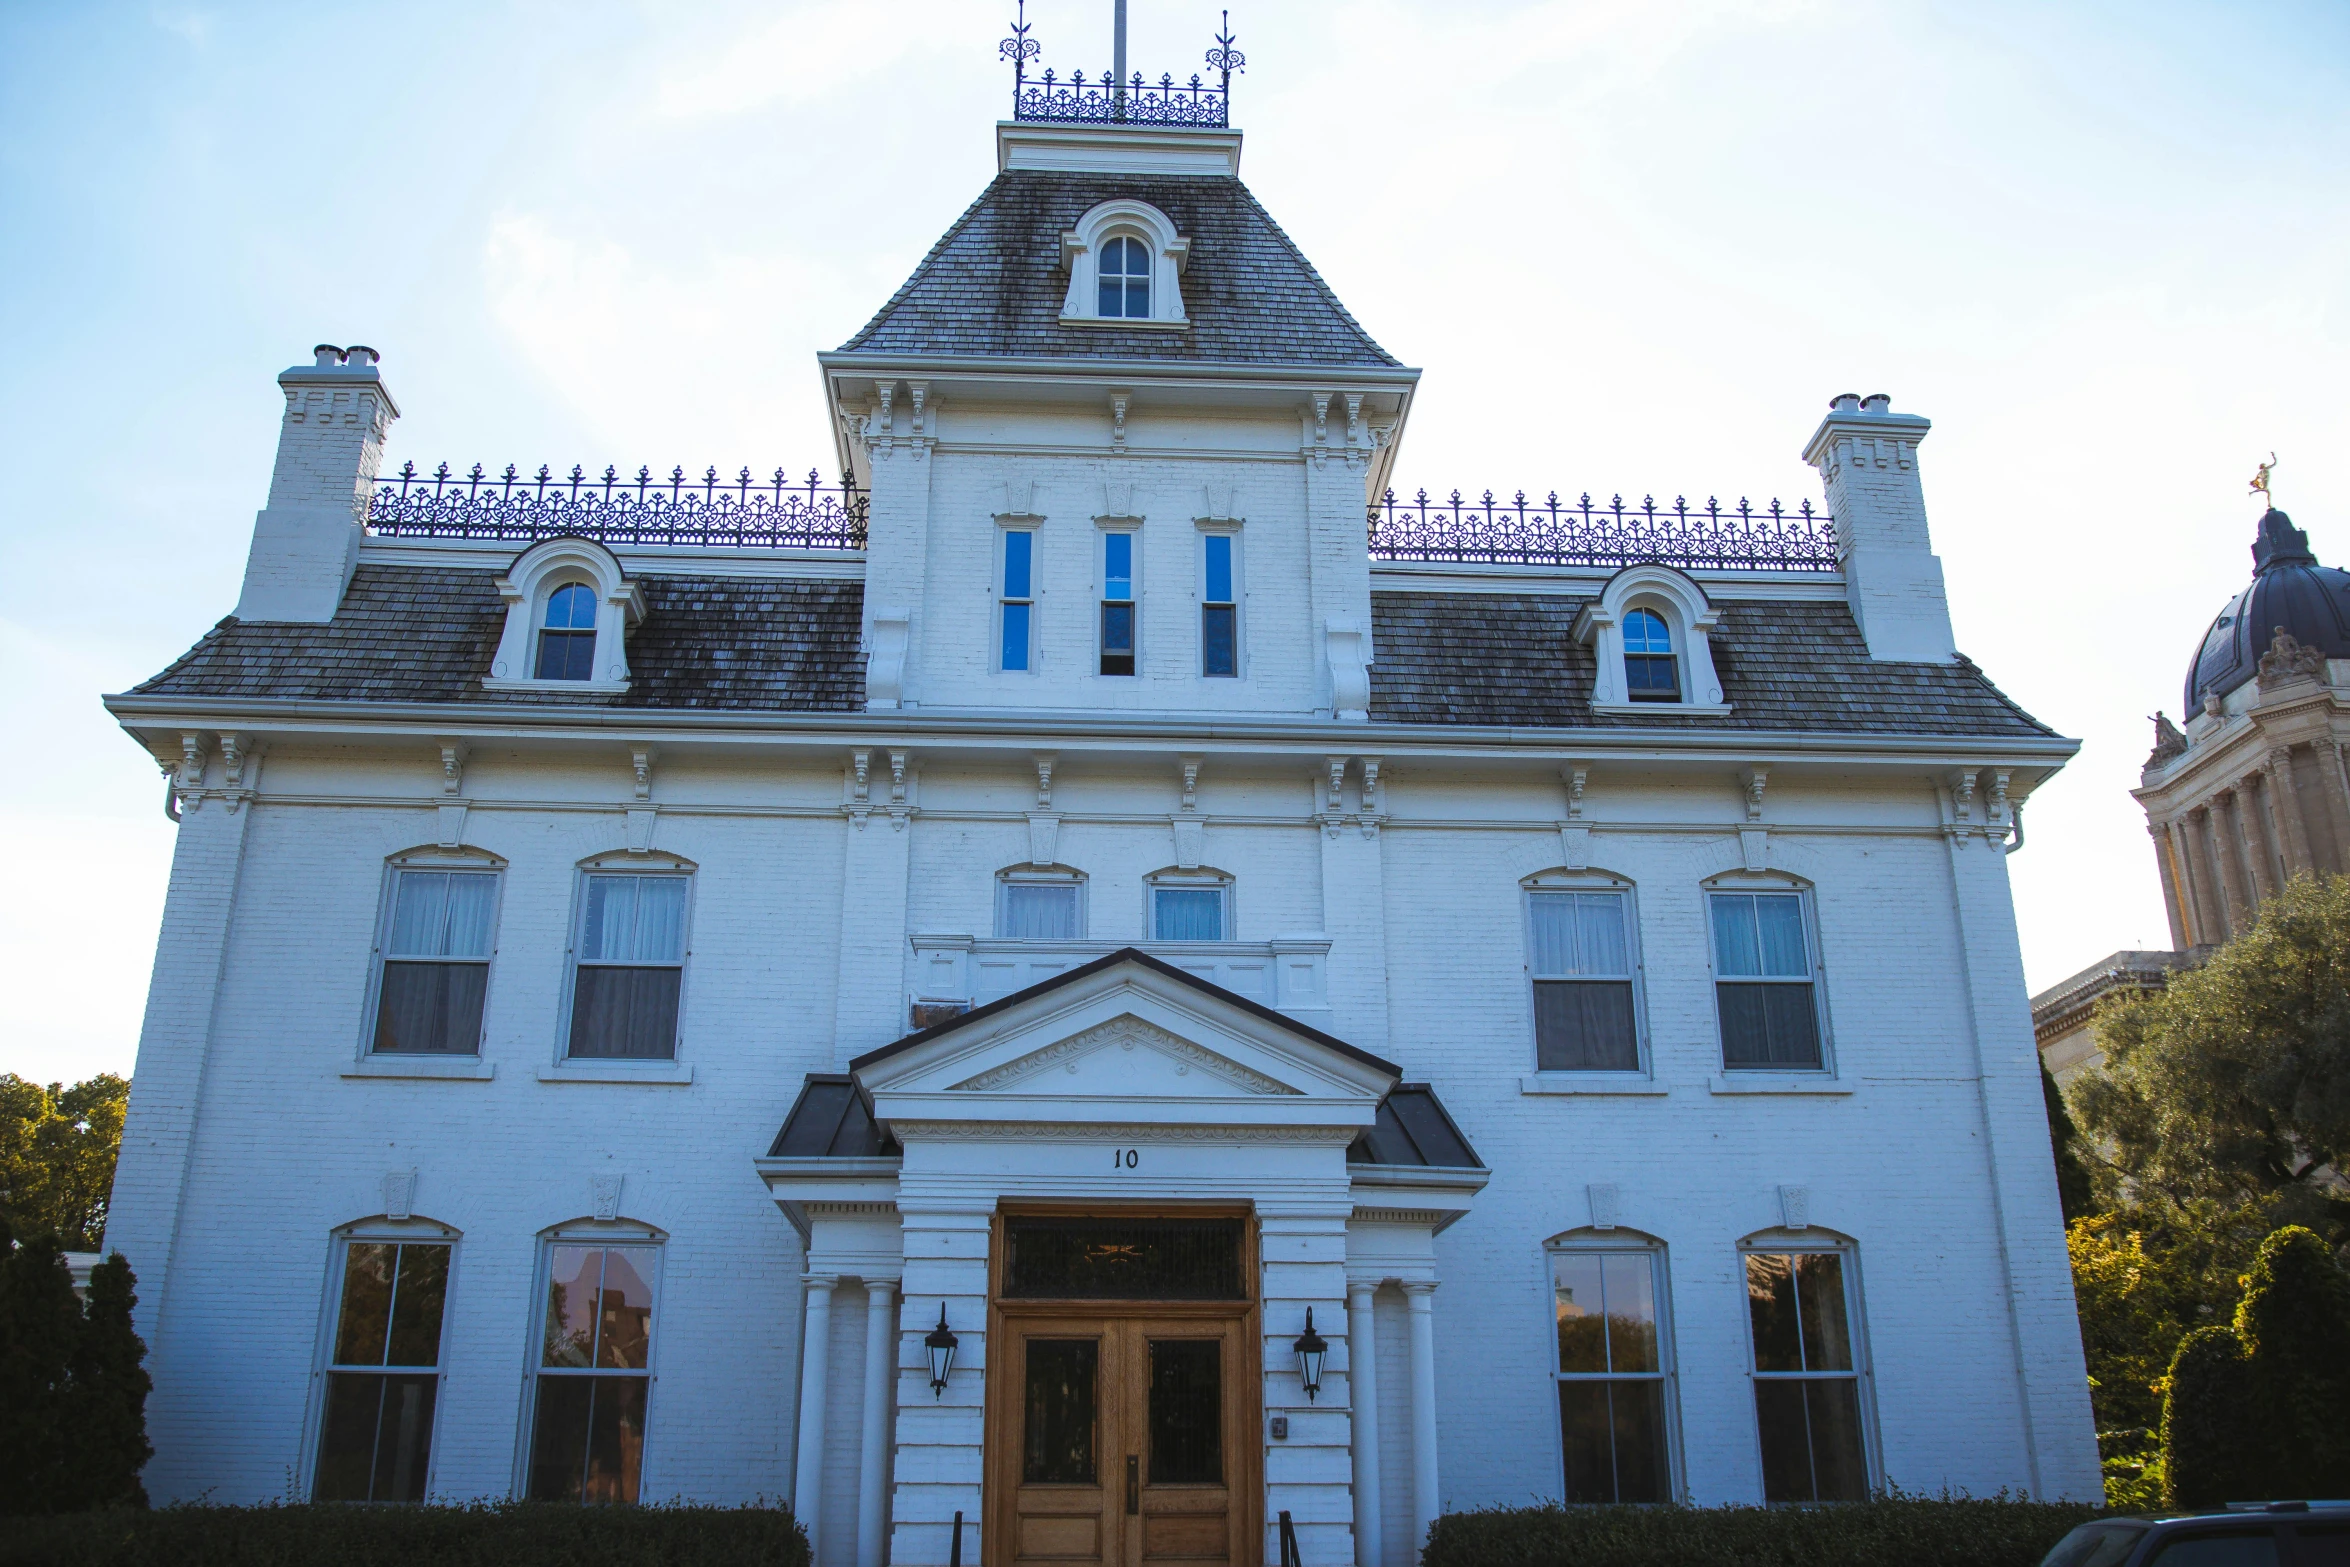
(1311, 1348)
(941, 1345)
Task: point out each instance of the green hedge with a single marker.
(504, 1534)
(1915, 1532)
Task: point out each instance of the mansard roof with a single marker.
(1511, 659)
(994, 284)
(429, 633)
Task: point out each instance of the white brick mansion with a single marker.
(1516, 1001)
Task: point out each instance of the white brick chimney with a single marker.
(1867, 456)
(306, 540)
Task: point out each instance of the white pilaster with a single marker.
(1419, 1296)
(881, 1360)
(1354, 908)
(1362, 1381)
(869, 1005)
(807, 1490)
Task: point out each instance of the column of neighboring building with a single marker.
(2213, 833)
(2252, 840)
(2173, 907)
(2284, 795)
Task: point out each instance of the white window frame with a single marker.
(1202, 880)
(1634, 1242)
(1238, 601)
(1035, 876)
(1003, 558)
(365, 1061)
(603, 1233)
(1104, 527)
(1764, 882)
(623, 1069)
(1862, 1375)
(379, 1231)
(1540, 1079)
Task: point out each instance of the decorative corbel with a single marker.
(1347, 646)
(885, 423)
(1334, 798)
(1574, 832)
(1045, 761)
(1044, 823)
(451, 808)
(1118, 402)
(240, 769)
(886, 641)
(641, 758)
(1190, 766)
(857, 787)
(1191, 831)
(1374, 802)
(1962, 805)
(1357, 452)
(899, 805)
(1754, 838)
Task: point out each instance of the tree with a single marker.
(2233, 1082)
(2075, 1194)
(2208, 1439)
(57, 1151)
(2295, 1327)
(73, 1398)
(106, 1406)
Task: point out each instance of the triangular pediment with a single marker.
(1125, 1055)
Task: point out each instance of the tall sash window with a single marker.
(1581, 963)
(382, 1376)
(595, 1373)
(630, 966)
(435, 963)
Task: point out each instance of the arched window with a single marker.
(594, 1374)
(1126, 279)
(1810, 1408)
(1651, 673)
(389, 1288)
(1614, 1366)
(1040, 905)
(567, 638)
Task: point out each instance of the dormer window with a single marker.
(567, 638)
(1651, 673)
(1126, 279)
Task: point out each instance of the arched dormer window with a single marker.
(569, 607)
(1125, 278)
(1649, 632)
(1125, 259)
(567, 634)
(1651, 673)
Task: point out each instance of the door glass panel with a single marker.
(1060, 1412)
(1123, 1259)
(1186, 1412)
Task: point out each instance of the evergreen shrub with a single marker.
(338, 1534)
(2295, 1327)
(2210, 1439)
(1914, 1531)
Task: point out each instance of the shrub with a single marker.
(2295, 1327)
(501, 1534)
(1915, 1531)
(2209, 1436)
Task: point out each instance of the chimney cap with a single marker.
(360, 357)
(1874, 403)
(1844, 403)
(328, 356)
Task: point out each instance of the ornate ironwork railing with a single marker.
(710, 512)
(1552, 532)
(1107, 100)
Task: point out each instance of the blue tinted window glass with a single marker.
(1219, 650)
(1118, 565)
(1219, 568)
(1016, 549)
(1114, 255)
(1187, 914)
(1015, 636)
(1646, 632)
(572, 608)
(1780, 916)
(1138, 298)
(1736, 947)
(1113, 297)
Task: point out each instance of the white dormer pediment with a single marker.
(1126, 1040)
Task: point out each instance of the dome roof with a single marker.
(2290, 592)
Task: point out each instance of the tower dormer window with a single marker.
(567, 635)
(1126, 279)
(1651, 672)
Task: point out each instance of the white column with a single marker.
(1362, 1384)
(1418, 1295)
(881, 1363)
(807, 1489)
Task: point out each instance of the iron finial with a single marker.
(1224, 57)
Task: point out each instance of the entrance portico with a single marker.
(1125, 1092)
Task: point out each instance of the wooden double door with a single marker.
(1124, 1437)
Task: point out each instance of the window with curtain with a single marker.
(587, 1441)
(1117, 604)
(1219, 622)
(435, 963)
(1018, 600)
(1037, 910)
(382, 1381)
(567, 634)
(1806, 1377)
(630, 966)
(1611, 1374)
(1651, 673)
(1125, 277)
(1195, 912)
(1581, 962)
(1765, 980)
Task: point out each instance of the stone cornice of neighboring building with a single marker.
(2064, 1005)
(2301, 713)
(996, 727)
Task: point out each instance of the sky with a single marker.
(1635, 246)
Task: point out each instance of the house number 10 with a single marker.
(1125, 1158)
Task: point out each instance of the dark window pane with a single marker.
(2322, 1545)
(1015, 636)
(1770, 1304)
(1643, 1473)
(376, 1443)
(1587, 1436)
(558, 1445)
(567, 655)
(1631, 1311)
(1113, 296)
(575, 1276)
(1117, 639)
(1837, 1464)
(1652, 679)
(616, 1439)
(1765, 1025)
(1582, 1321)
(431, 1008)
(1122, 1259)
(367, 1303)
(1584, 1025)
(415, 1338)
(626, 1013)
(1060, 1404)
(1819, 1291)
(1785, 1432)
(1187, 1412)
(1138, 298)
(1219, 652)
(624, 1309)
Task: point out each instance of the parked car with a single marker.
(2244, 1534)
